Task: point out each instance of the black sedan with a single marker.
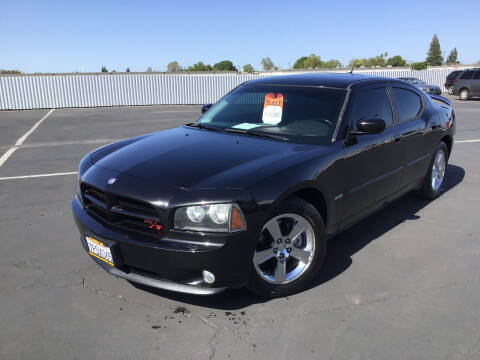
(422, 85)
(249, 194)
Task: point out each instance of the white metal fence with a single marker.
(92, 90)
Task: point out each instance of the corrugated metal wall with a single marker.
(435, 76)
(60, 91)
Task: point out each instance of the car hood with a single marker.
(197, 158)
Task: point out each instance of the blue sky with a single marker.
(66, 36)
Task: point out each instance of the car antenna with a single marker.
(353, 66)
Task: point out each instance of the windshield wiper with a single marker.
(256, 133)
(203, 126)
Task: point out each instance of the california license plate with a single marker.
(99, 250)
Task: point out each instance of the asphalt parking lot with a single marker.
(403, 284)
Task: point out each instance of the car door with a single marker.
(475, 83)
(409, 111)
(464, 80)
(372, 163)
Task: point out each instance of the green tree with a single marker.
(104, 69)
(267, 64)
(200, 66)
(10, 72)
(173, 66)
(358, 63)
(128, 69)
(376, 61)
(434, 55)
(312, 62)
(300, 63)
(225, 65)
(396, 60)
(248, 68)
(452, 57)
(419, 65)
(331, 64)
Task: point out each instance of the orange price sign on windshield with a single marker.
(272, 108)
(273, 100)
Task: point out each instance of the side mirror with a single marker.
(369, 126)
(205, 107)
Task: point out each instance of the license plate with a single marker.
(99, 250)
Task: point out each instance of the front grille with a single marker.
(121, 213)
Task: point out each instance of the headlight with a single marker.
(196, 214)
(215, 217)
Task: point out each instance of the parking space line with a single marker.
(38, 175)
(7, 154)
(37, 124)
(467, 141)
(20, 141)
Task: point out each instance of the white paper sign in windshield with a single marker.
(272, 108)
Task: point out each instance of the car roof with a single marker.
(334, 80)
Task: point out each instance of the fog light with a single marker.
(208, 277)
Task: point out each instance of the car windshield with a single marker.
(414, 81)
(417, 81)
(294, 113)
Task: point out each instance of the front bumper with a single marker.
(160, 283)
(173, 262)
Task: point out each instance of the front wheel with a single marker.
(290, 250)
(436, 173)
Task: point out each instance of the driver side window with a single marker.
(373, 103)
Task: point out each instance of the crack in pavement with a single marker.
(212, 344)
(203, 320)
(41, 282)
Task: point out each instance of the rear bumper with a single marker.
(173, 263)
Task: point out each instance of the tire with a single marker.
(437, 170)
(276, 252)
(464, 94)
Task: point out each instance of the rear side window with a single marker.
(467, 75)
(408, 104)
(477, 75)
(453, 75)
(373, 103)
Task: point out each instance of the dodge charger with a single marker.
(250, 194)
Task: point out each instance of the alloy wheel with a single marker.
(285, 249)
(438, 170)
(464, 95)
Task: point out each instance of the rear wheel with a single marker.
(436, 173)
(290, 250)
(464, 94)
